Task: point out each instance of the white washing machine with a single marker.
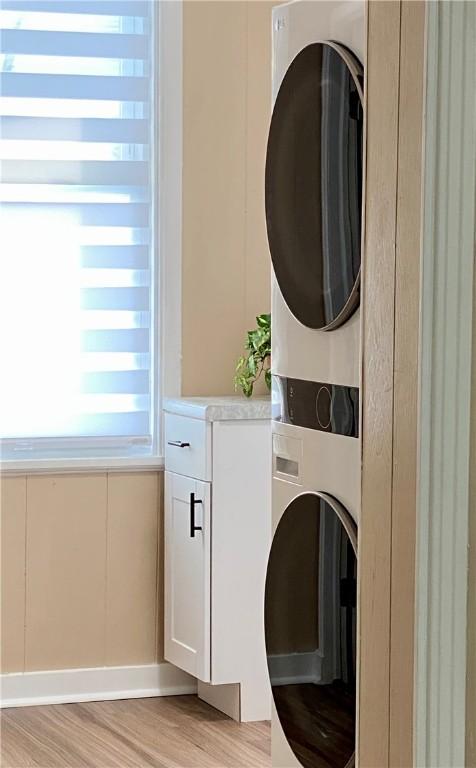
(314, 182)
(311, 583)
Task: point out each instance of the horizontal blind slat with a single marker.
(66, 172)
(112, 319)
(73, 108)
(136, 299)
(89, 425)
(114, 278)
(104, 7)
(72, 193)
(116, 382)
(83, 87)
(87, 214)
(100, 403)
(115, 256)
(113, 361)
(73, 44)
(63, 129)
(136, 340)
(91, 23)
(120, 424)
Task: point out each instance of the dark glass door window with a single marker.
(314, 185)
(310, 627)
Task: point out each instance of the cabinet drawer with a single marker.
(188, 446)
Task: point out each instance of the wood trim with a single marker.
(390, 334)
(445, 397)
(378, 305)
(405, 382)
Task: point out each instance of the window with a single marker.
(77, 302)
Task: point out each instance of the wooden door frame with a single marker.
(390, 336)
(416, 377)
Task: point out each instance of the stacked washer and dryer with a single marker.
(314, 181)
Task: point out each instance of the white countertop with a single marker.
(220, 408)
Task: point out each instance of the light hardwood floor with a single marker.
(168, 732)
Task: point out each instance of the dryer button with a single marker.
(323, 407)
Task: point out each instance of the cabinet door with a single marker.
(187, 574)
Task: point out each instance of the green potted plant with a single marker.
(257, 359)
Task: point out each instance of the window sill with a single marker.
(86, 465)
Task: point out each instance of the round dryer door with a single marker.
(314, 185)
(310, 626)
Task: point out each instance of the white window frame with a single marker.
(170, 144)
(167, 228)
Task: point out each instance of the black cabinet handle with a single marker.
(178, 444)
(194, 527)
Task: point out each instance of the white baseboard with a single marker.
(66, 686)
(294, 668)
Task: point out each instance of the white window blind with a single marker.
(76, 275)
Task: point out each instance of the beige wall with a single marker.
(81, 570)
(226, 265)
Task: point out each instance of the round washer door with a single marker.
(310, 628)
(314, 185)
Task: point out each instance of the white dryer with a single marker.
(314, 172)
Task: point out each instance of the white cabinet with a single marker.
(217, 539)
(187, 558)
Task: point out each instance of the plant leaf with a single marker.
(252, 365)
(249, 368)
(248, 389)
(264, 321)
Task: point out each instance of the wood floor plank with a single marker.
(168, 732)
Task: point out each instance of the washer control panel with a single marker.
(316, 405)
